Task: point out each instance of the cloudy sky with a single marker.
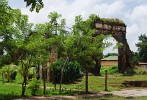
(132, 12)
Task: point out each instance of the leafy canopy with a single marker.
(142, 47)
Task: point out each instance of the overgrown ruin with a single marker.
(117, 29)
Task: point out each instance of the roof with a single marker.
(142, 63)
(111, 58)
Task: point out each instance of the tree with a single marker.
(142, 47)
(35, 4)
(54, 35)
(8, 33)
(111, 54)
(87, 49)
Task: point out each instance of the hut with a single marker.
(110, 61)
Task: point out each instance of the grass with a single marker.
(9, 91)
(96, 83)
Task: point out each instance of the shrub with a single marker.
(9, 72)
(140, 71)
(72, 71)
(34, 86)
(112, 70)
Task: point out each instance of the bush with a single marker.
(13, 75)
(140, 71)
(112, 70)
(72, 71)
(34, 86)
(9, 72)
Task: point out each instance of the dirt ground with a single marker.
(125, 93)
(131, 92)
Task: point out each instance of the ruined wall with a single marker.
(117, 29)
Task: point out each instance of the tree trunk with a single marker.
(121, 60)
(37, 72)
(44, 79)
(98, 66)
(96, 70)
(3, 78)
(106, 78)
(48, 72)
(54, 75)
(86, 81)
(23, 86)
(24, 79)
(40, 71)
(61, 79)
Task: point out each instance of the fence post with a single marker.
(3, 78)
(106, 78)
(86, 81)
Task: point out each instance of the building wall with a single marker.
(144, 65)
(109, 62)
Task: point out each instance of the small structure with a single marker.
(110, 61)
(136, 83)
(144, 65)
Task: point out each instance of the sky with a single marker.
(132, 12)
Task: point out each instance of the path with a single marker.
(131, 92)
(125, 93)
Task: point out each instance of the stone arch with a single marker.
(117, 29)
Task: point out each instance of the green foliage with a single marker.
(110, 21)
(112, 70)
(111, 54)
(35, 4)
(34, 86)
(142, 47)
(32, 48)
(72, 71)
(88, 49)
(114, 21)
(11, 91)
(54, 16)
(118, 45)
(135, 58)
(9, 72)
(140, 71)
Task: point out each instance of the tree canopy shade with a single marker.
(142, 47)
(35, 4)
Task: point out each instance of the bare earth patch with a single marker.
(61, 97)
(131, 92)
(124, 93)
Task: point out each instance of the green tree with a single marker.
(35, 4)
(8, 33)
(53, 33)
(142, 47)
(87, 49)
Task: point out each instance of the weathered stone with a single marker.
(118, 32)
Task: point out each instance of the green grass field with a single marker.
(96, 84)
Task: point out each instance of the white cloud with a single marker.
(139, 13)
(138, 23)
(77, 7)
(131, 11)
(112, 48)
